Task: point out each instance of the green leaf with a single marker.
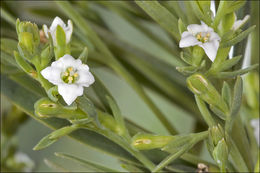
(237, 98)
(237, 38)
(88, 107)
(84, 55)
(202, 12)
(181, 26)
(161, 15)
(63, 131)
(55, 166)
(187, 70)
(226, 93)
(186, 57)
(235, 73)
(45, 142)
(204, 111)
(24, 65)
(90, 165)
(117, 115)
(136, 36)
(229, 63)
(193, 140)
(218, 112)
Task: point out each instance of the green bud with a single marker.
(197, 53)
(216, 133)
(45, 108)
(46, 56)
(220, 154)
(28, 36)
(143, 141)
(110, 123)
(200, 86)
(60, 47)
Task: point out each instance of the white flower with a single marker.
(239, 23)
(57, 21)
(255, 124)
(203, 36)
(70, 75)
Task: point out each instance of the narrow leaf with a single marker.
(229, 63)
(235, 73)
(161, 15)
(44, 142)
(218, 112)
(55, 166)
(85, 163)
(238, 38)
(226, 93)
(237, 99)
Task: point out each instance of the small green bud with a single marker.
(197, 53)
(216, 133)
(220, 154)
(28, 36)
(200, 86)
(45, 108)
(149, 141)
(110, 123)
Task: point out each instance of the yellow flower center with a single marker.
(70, 75)
(203, 37)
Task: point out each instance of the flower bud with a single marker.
(45, 108)
(220, 154)
(216, 133)
(149, 141)
(227, 22)
(109, 122)
(200, 86)
(28, 36)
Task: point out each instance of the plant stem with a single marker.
(118, 140)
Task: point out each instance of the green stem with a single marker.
(117, 139)
(113, 62)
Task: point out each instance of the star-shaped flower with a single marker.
(203, 36)
(70, 75)
(57, 21)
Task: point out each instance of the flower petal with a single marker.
(239, 23)
(85, 76)
(57, 21)
(188, 41)
(68, 31)
(211, 49)
(213, 36)
(70, 92)
(67, 61)
(52, 74)
(46, 30)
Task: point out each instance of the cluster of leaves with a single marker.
(120, 36)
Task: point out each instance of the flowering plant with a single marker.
(144, 82)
